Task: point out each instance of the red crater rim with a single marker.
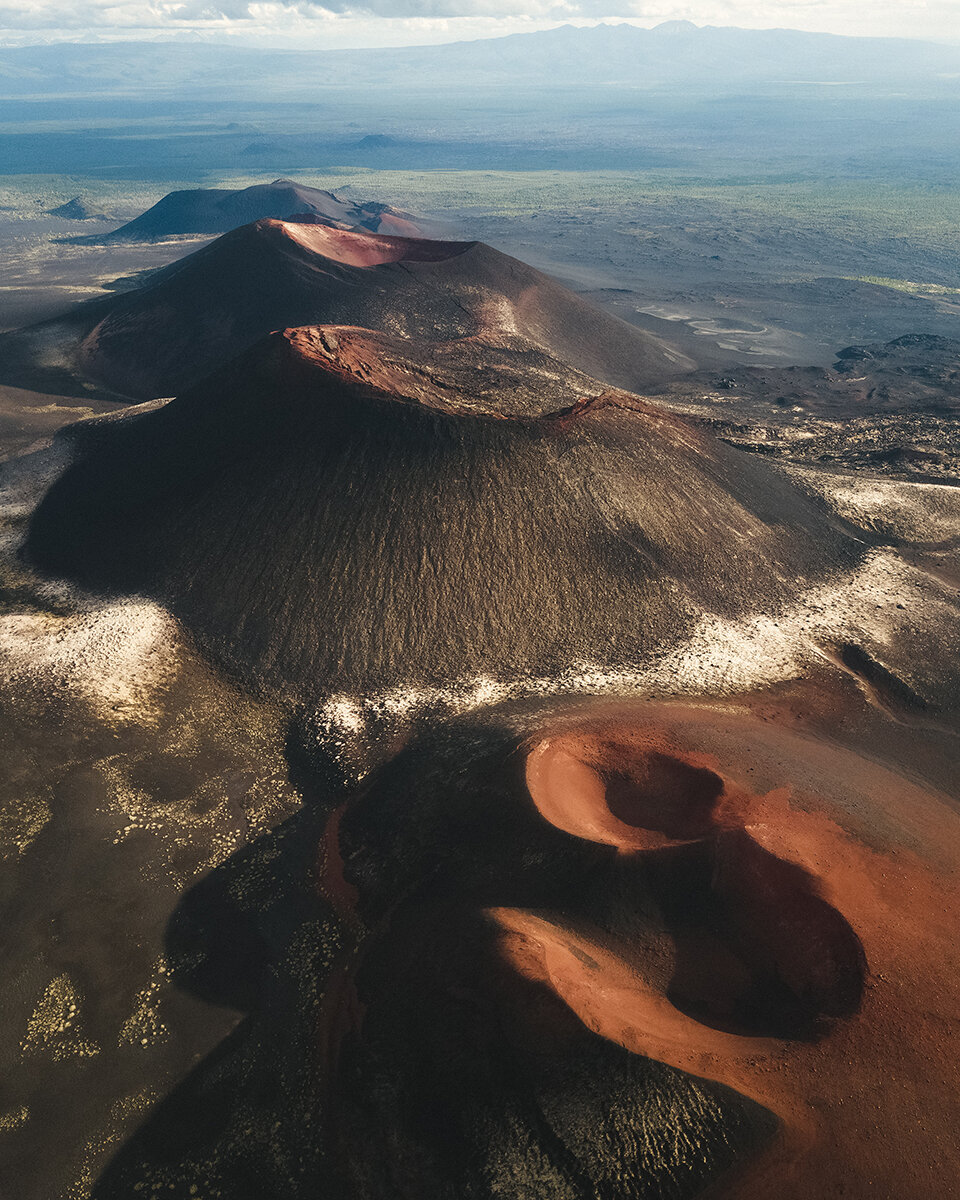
(355, 249)
(634, 791)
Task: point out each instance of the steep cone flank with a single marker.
(195, 315)
(218, 210)
(320, 531)
(77, 210)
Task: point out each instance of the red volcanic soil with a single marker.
(340, 1012)
(341, 894)
(851, 934)
(367, 249)
(196, 315)
(471, 375)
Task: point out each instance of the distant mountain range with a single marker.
(704, 59)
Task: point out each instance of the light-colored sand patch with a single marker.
(741, 336)
(23, 818)
(204, 815)
(53, 346)
(143, 1028)
(54, 1030)
(23, 482)
(115, 656)
(917, 512)
(499, 314)
(14, 1118)
(125, 1114)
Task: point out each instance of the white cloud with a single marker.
(404, 22)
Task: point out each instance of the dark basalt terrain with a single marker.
(218, 210)
(892, 408)
(195, 315)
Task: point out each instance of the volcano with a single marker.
(195, 315)
(703, 886)
(78, 210)
(218, 210)
(324, 511)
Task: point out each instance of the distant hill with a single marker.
(77, 210)
(706, 60)
(218, 210)
(195, 315)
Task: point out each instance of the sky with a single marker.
(357, 23)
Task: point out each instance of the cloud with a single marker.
(383, 22)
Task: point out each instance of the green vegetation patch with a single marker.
(906, 285)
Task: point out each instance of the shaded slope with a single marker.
(318, 530)
(198, 313)
(218, 210)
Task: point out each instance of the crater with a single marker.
(758, 951)
(636, 794)
(667, 795)
(756, 948)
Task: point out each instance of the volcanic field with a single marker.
(446, 769)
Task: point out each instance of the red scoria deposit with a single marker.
(866, 1097)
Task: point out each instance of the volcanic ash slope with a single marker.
(326, 516)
